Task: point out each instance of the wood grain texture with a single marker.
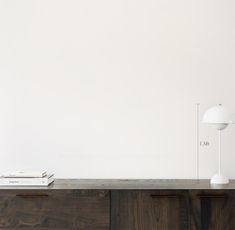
(149, 210)
(126, 205)
(212, 210)
(76, 209)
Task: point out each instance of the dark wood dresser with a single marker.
(119, 205)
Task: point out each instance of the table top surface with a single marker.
(128, 184)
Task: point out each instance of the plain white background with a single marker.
(107, 89)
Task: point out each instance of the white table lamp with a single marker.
(220, 118)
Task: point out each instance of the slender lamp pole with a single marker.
(219, 157)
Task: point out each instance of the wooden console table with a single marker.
(119, 205)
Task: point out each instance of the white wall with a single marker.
(107, 89)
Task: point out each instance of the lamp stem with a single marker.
(219, 159)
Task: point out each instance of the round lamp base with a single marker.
(219, 179)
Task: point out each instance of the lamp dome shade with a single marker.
(218, 115)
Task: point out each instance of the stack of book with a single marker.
(23, 178)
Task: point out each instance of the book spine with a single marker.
(36, 181)
(23, 175)
(22, 184)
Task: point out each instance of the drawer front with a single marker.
(213, 210)
(62, 209)
(150, 210)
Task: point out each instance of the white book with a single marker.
(22, 174)
(45, 181)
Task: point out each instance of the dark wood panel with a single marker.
(62, 209)
(150, 210)
(212, 210)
